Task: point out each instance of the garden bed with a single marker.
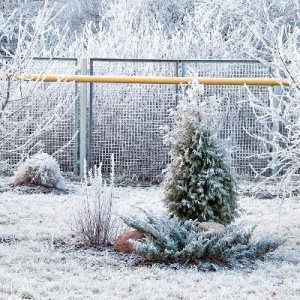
(41, 257)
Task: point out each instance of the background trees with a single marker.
(185, 29)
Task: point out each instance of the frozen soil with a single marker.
(41, 259)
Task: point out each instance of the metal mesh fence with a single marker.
(238, 121)
(126, 118)
(40, 116)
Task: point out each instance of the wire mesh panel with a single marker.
(238, 121)
(127, 119)
(124, 119)
(40, 116)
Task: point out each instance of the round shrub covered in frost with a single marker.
(40, 169)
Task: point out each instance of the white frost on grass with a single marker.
(32, 267)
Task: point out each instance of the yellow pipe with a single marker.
(153, 80)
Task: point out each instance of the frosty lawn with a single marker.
(41, 262)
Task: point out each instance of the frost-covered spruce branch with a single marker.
(172, 240)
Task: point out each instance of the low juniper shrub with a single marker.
(174, 241)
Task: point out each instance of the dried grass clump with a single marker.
(93, 221)
(40, 170)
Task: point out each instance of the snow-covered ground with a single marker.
(38, 263)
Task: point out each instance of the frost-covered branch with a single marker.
(279, 115)
(30, 109)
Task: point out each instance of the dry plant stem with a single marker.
(6, 97)
(94, 221)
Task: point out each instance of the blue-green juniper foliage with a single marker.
(173, 240)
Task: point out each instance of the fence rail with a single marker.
(152, 80)
(124, 111)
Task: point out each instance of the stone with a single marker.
(204, 226)
(122, 243)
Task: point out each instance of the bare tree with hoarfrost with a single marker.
(280, 114)
(183, 30)
(30, 109)
(163, 29)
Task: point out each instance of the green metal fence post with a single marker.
(83, 114)
(90, 122)
(178, 62)
(76, 125)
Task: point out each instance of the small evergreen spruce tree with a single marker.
(198, 182)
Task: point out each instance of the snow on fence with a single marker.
(125, 119)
